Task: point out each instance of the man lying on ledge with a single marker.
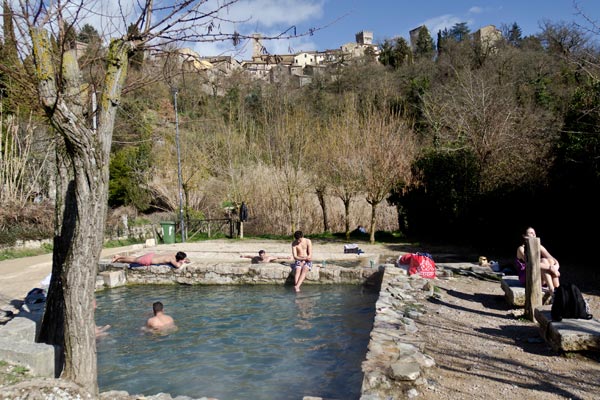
(176, 260)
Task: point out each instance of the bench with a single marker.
(569, 334)
(514, 290)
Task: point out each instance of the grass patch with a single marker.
(10, 254)
(11, 374)
(122, 242)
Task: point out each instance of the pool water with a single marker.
(237, 342)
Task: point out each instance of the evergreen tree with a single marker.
(9, 48)
(459, 32)
(424, 45)
(514, 35)
(88, 34)
(396, 53)
(137, 58)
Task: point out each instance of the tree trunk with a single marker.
(321, 197)
(373, 215)
(347, 216)
(81, 201)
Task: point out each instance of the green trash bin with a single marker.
(168, 231)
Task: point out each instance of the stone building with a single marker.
(487, 37)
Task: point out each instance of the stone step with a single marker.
(39, 358)
(514, 290)
(568, 334)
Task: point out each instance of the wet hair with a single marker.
(298, 235)
(157, 307)
(261, 252)
(180, 256)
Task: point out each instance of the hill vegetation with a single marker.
(461, 143)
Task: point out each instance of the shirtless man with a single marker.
(160, 321)
(302, 253)
(263, 257)
(176, 260)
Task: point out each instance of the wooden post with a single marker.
(533, 286)
(241, 229)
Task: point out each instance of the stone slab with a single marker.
(569, 334)
(113, 278)
(514, 291)
(39, 358)
(20, 328)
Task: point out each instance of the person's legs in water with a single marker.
(299, 275)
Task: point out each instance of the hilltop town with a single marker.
(301, 67)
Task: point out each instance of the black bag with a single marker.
(569, 303)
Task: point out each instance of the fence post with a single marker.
(533, 285)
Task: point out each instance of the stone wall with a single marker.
(219, 273)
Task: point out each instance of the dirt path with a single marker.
(483, 350)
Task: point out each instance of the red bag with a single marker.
(419, 264)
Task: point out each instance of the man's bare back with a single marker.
(160, 321)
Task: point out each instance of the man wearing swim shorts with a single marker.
(302, 253)
(176, 260)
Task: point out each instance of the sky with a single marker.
(337, 21)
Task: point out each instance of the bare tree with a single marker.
(387, 148)
(288, 138)
(20, 173)
(477, 113)
(45, 29)
(343, 161)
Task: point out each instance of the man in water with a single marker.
(302, 253)
(160, 321)
(100, 330)
(263, 257)
(176, 260)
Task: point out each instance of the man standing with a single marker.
(160, 321)
(302, 253)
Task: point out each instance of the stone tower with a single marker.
(364, 37)
(257, 47)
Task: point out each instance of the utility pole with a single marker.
(181, 222)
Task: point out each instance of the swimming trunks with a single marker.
(300, 263)
(146, 259)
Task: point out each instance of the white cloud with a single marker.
(269, 18)
(272, 13)
(475, 10)
(440, 23)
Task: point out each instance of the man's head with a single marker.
(180, 256)
(157, 307)
(262, 253)
(298, 235)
